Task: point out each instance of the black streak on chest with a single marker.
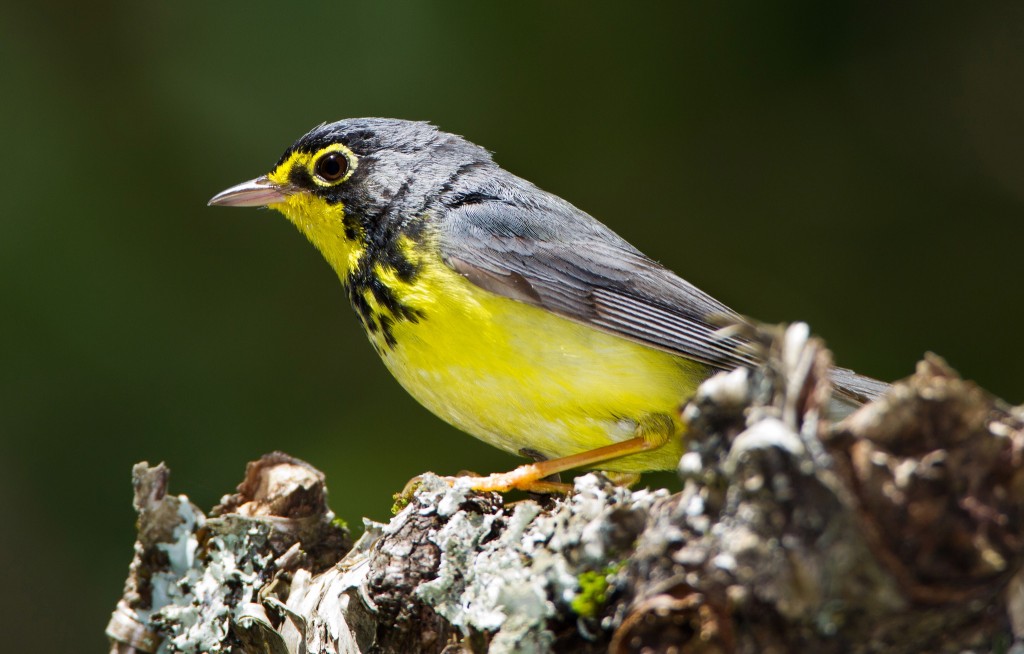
(383, 251)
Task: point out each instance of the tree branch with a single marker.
(898, 529)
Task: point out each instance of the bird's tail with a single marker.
(852, 390)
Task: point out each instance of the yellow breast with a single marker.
(513, 375)
(521, 377)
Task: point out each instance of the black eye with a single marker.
(331, 167)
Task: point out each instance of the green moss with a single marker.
(340, 523)
(593, 591)
(402, 499)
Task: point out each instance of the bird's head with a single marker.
(346, 183)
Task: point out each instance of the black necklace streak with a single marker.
(383, 250)
(379, 228)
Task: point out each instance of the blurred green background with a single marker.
(856, 165)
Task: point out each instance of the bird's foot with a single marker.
(526, 478)
(529, 478)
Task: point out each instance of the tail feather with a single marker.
(853, 389)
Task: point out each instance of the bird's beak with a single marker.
(257, 192)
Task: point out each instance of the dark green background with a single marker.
(859, 166)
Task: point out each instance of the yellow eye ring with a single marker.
(333, 165)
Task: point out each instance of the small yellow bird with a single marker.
(502, 308)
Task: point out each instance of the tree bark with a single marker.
(897, 529)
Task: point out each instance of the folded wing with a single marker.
(556, 257)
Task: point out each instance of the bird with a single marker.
(502, 308)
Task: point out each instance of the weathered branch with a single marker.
(898, 529)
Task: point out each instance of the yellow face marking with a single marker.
(282, 173)
(321, 222)
(350, 157)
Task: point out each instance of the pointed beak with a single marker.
(257, 192)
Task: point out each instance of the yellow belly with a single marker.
(517, 377)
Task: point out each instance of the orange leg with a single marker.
(528, 477)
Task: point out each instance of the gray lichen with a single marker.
(198, 583)
(513, 584)
(197, 601)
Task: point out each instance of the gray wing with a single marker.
(552, 255)
(559, 259)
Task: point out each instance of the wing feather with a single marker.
(587, 274)
(554, 256)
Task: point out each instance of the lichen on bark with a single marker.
(897, 529)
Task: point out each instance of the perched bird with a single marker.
(502, 308)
